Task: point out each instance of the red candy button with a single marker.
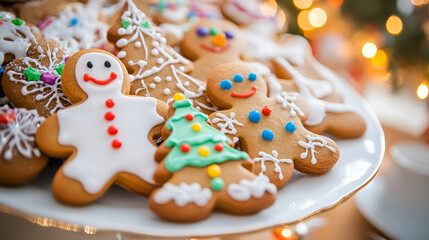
(185, 147)
(189, 116)
(109, 116)
(266, 111)
(110, 103)
(218, 147)
(116, 144)
(112, 130)
(3, 119)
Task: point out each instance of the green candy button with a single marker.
(146, 24)
(17, 22)
(125, 24)
(217, 184)
(32, 74)
(59, 68)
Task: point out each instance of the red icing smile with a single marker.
(245, 95)
(88, 77)
(215, 49)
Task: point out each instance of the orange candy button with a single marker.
(219, 40)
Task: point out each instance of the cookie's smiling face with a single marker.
(98, 72)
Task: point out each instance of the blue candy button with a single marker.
(238, 78)
(252, 76)
(290, 127)
(267, 135)
(74, 21)
(254, 116)
(226, 84)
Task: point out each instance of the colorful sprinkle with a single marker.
(125, 24)
(74, 21)
(185, 147)
(112, 130)
(218, 147)
(226, 84)
(196, 127)
(116, 143)
(146, 24)
(266, 111)
(238, 78)
(228, 34)
(110, 103)
(109, 116)
(66, 59)
(252, 76)
(214, 171)
(17, 22)
(254, 116)
(59, 68)
(8, 117)
(1, 71)
(189, 117)
(219, 40)
(48, 78)
(203, 31)
(217, 184)
(267, 135)
(32, 74)
(178, 96)
(214, 31)
(204, 151)
(290, 127)
(1, 22)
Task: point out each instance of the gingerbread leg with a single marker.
(135, 184)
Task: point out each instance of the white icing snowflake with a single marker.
(287, 100)
(272, 158)
(19, 131)
(52, 92)
(312, 143)
(228, 123)
(77, 27)
(14, 39)
(246, 189)
(136, 32)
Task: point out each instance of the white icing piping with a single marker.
(312, 143)
(272, 158)
(287, 100)
(246, 189)
(229, 123)
(183, 194)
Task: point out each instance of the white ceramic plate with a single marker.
(123, 211)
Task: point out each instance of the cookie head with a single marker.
(232, 82)
(213, 37)
(94, 72)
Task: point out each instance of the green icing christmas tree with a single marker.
(194, 141)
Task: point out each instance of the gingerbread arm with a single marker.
(156, 132)
(47, 139)
(161, 174)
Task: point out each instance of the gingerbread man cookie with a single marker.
(201, 171)
(34, 81)
(105, 135)
(155, 69)
(269, 129)
(20, 159)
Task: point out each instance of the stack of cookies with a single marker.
(198, 105)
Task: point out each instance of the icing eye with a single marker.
(107, 64)
(238, 78)
(229, 34)
(89, 64)
(252, 76)
(226, 84)
(203, 31)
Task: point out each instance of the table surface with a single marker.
(342, 222)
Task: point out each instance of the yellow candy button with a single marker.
(178, 96)
(213, 171)
(219, 40)
(204, 151)
(196, 127)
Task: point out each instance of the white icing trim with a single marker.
(229, 123)
(272, 158)
(287, 100)
(312, 143)
(183, 194)
(246, 189)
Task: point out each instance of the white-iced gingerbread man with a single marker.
(106, 136)
(270, 130)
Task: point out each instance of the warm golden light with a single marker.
(380, 58)
(369, 50)
(336, 3)
(419, 2)
(303, 21)
(287, 233)
(317, 17)
(423, 91)
(302, 4)
(394, 25)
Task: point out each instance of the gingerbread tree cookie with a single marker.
(155, 69)
(201, 171)
(269, 129)
(20, 159)
(34, 81)
(105, 135)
